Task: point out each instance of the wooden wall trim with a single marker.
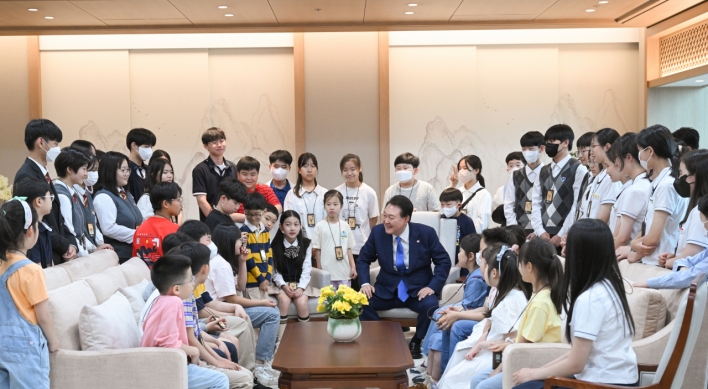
(384, 116)
(676, 77)
(35, 77)
(299, 60)
(643, 89)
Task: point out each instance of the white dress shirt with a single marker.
(536, 216)
(306, 268)
(406, 245)
(308, 202)
(42, 168)
(66, 205)
(106, 212)
(479, 209)
(510, 194)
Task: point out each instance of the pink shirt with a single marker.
(164, 325)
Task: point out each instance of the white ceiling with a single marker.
(692, 82)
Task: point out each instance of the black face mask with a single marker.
(682, 187)
(552, 149)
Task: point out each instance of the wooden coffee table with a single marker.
(309, 358)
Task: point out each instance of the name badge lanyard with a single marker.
(337, 249)
(351, 219)
(400, 190)
(292, 285)
(310, 215)
(261, 247)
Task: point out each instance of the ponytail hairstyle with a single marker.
(604, 137)
(696, 163)
(13, 218)
(507, 266)
(590, 259)
(357, 162)
(224, 237)
(472, 162)
(518, 233)
(659, 138)
(302, 161)
(624, 146)
(278, 244)
(542, 255)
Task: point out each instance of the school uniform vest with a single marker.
(523, 192)
(128, 216)
(560, 188)
(89, 217)
(77, 214)
(292, 259)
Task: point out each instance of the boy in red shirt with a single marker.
(166, 199)
(247, 172)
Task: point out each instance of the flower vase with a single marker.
(344, 330)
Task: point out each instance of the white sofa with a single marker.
(319, 279)
(91, 280)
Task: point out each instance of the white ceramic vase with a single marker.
(344, 330)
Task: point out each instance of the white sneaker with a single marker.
(266, 375)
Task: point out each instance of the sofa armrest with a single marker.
(453, 276)
(650, 349)
(373, 273)
(154, 368)
(452, 294)
(320, 278)
(529, 355)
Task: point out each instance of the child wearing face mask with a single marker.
(450, 200)
(517, 197)
(140, 143)
(280, 161)
(514, 161)
(477, 201)
(420, 193)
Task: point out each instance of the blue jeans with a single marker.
(460, 331)
(268, 320)
(202, 378)
(483, 381)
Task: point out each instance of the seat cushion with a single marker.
(135, 271)
(134, 294)
(648, 309)
(398, 313)
(65, 305)
(91, 264)
(107, 282)
(108, 326)
(56, 277)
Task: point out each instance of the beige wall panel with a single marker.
(169, 94)
(14, 103)
(341, 102)
(253, 101)
(87, 94)
(679, 107)
(598, 87)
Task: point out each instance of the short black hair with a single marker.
(403, 203)
(168, 271)
(100, 154)
(164, 191)
(272, 209)
(585, 140)
(255, 201)
(70, 159)
(41, 128)
(281, 155)
(531, 139)
(233, 189)
(515, 156)
(212, 134)
(173, 240)
(196, 252)
(195, 229)
(408, 159)
(561, 132)
(689, 136)
(84, 145)
(140, 136)
(451, 194)
(518, 233)
(32, 188)
(498, 235)
(248, 163)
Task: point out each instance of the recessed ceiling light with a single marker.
(32, 9)
(222, 7)
(409, 13)
(412, 5)
(603, 2)
(49, 17)
(699, 80)
(590, 10)
(229, 15)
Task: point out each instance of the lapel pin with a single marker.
(417, 241)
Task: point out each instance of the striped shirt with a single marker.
(260, 260)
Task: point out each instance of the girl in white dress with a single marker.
(472, 356)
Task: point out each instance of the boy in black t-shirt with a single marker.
(450, 200)
(231, 194)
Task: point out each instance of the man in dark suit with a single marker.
(42, 139)
(405, 251)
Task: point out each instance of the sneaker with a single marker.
(258, 385)
(266, 375)
(417, 370)
(420, 379)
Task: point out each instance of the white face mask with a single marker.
(645, 164)
(92, 179)
(449, 212)
(53, 153)
(279, 174)
(478, 259)
(213, 249)
(531, 156)
(512, 170)
(145, 153)
(465, 176)
(404, 175)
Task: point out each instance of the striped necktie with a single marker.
(85, 200)
(49, 179)
(123, 195)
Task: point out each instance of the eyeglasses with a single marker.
(217, 142)
(187, 282)
(180, 199)
(124, 170)
(583, 151)
(595, 145)
(259, 214)
(51, 197)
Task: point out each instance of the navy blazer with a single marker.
(424, 248)
(60, 236)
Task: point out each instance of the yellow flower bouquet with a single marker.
(344, 303)
(5, 189)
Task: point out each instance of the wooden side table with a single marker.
(309, 358)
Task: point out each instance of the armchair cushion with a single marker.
(648, 309)
(110, 325)
(65, 305)
(134, 294)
